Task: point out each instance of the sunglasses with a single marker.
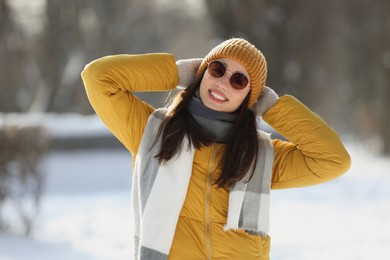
(217, 70)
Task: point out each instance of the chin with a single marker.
(213, 107)
(221, 109)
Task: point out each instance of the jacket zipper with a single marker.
(208, 198)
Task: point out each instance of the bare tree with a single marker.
(385, 58)
(12, 55)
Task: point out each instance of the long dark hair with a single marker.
(242, 148)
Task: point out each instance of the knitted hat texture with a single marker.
(248, 56)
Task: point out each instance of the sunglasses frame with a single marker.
(233, 84)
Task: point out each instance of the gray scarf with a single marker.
(214, 122)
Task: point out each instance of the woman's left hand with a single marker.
(267, 99)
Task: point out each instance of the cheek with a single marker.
(242, 96)
(203, 89)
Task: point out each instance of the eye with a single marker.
(216, 69)
(239, 81)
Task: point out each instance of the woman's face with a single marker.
(218, 94)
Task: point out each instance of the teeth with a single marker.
(217, 96)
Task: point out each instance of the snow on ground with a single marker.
(58, 125)
(85, 212)
(347, 218)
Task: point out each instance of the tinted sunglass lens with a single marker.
(216, 69)
(239, 81)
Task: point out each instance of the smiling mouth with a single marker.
(217, 96)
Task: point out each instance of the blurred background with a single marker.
(65, 181)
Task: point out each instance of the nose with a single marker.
(224, 81)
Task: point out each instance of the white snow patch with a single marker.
(85, 212)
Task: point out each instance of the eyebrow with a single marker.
(227, 67)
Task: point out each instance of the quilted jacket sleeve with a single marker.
(110, 81)
(314, 153)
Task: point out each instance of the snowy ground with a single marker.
(85, 212)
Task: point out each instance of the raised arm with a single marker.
(110, 81)
(314, 153)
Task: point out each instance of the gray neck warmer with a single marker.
(214, 122)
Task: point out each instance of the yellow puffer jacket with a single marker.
(314, 154)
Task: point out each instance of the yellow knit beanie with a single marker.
(248, 56)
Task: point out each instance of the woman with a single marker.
(203, 173)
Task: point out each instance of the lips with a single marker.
(217, 96)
